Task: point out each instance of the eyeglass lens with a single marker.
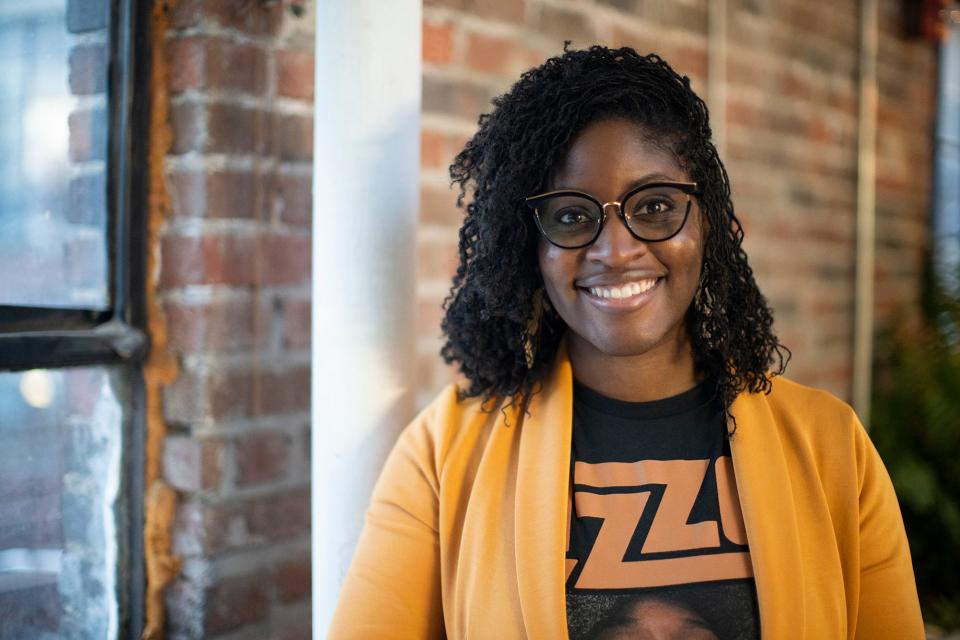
(652, 214)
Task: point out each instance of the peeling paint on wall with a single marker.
(161, 367)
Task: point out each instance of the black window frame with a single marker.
(52, 338)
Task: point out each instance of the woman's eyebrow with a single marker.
(558, 185)
(652, 177)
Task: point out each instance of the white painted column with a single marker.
(365, 186)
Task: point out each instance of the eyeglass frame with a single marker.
(689, 188)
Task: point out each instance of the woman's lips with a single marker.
(626, 296)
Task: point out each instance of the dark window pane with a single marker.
(60, 476)
(53, 126)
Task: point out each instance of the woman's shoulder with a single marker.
(790, 394)
(455, 421)
(816, 414)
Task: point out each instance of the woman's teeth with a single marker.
(624, 291)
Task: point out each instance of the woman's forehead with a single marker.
(614, 154)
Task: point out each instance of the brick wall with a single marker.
(234, 284)
(791, 145)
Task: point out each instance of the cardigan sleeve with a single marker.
(888, 606)
(392, 589)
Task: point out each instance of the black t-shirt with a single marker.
(656, 544)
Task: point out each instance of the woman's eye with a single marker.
(572, 216)
(654, 208)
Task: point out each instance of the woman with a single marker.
(623, 459)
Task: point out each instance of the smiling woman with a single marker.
(625, 458)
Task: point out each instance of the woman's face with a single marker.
(606, 159)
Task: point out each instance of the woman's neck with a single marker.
(660, 372)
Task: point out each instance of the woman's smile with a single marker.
(620, 294)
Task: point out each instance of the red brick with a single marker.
(429, 315)
(509, 10)
(203, 528)
(219, 326)
(258, 18)
(817, 130)
(215, 63)
(438, 205)
(191, 464)
(218, 194)
(235, 602)
(561, 24)
(88, 135)
(237, 194)
(219, 395)
(255, 18)
(187, 64)
(218, 127)
(188, 123)
(186, 13)
(437, 150)
(282, 391)
(687, 60)
(236, 129)
(222, 394)
(260, 457)
(296, 627)
(87, 199)
(295, 193)
(490, 54)
(437, 42)
(426, 368)
(295, 73)
(304, 448)
(437, 261)
(455, 97)
(292, 579)
(741, 113)
(294, 137)
(88, 69)
(282, 515)
(208, 259)
(286, 258)
(431, 149)
(296, 324)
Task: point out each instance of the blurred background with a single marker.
(156, 229)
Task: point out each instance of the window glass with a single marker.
(946, 225)
(53, 232)
(60, 472)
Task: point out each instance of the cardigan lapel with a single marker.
(543, 470)
(766, 501)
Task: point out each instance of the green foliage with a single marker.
(915, 425)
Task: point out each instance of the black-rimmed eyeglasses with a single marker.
(652, 212)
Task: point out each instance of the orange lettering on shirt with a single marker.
(606, 568)
(681, 480)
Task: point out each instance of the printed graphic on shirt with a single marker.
(656, 545)
(645, 537)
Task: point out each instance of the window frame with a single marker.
(41, 337)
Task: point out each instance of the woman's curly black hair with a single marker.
(515, 152)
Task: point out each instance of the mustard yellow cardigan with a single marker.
(465, 535)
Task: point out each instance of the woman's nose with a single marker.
(615, 244)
